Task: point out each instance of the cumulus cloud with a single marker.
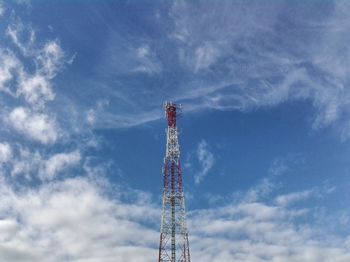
(39, 165)
(51, 57)
(258, 232)
(33, 84)
(61, 221)
(26, 163)
(36, 89)
(57, 163)
(37, 126)
(30, 84)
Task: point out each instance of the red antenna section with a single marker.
(172, 110)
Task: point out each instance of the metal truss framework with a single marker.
(174, 246)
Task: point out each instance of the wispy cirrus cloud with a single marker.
(255, 73)
(200, 161)
(147, 61)
(268, 184)
(129, 57)
(232, 56)
(290, 198)
(22, 36)
(206, 159)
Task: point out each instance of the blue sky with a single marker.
(265, 129)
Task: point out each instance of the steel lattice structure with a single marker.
(174, 246)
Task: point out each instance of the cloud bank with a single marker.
(76, 219)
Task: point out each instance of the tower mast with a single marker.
(173, 246)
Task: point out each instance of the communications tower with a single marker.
(173, 246)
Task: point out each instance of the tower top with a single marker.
(172, 110)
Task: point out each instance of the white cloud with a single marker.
(205, 159)
(231, 56)
(61, 221)
(259, 232)
(26, 163)
(53, 54)
(37, 126)
(261, 190)
(22, 36)
(143, 51)
(2, 9)
(49, 59)
(290, 198)
(146, 61)
(8, 65)
(41, 165)
(109, 119)
(251, 74)
(267, 185)
(91, 116)
(5, 152)
(36, 89)
(15, 81)
(57, 163)
(279, 167)
(82, 219)
(129, 57)
(205, 56)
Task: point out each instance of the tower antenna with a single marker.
(174, 245)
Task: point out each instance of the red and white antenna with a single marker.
(173, 246)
